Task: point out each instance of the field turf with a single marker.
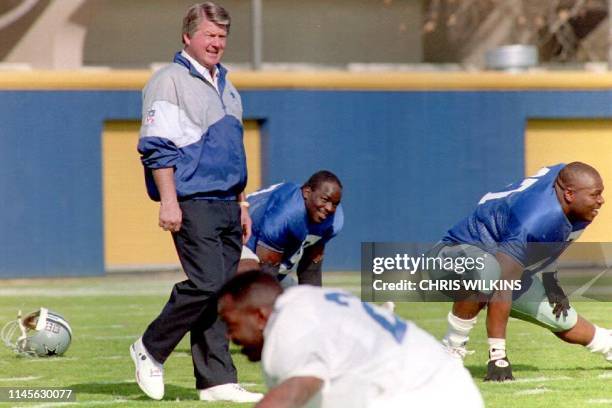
(107, 314)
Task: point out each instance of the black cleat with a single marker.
(499, 370)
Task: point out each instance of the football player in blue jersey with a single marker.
(519, 233)
(291, 225)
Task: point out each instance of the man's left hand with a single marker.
(245, 223)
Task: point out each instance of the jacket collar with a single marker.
(181, 60)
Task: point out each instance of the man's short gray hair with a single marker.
(205, 11)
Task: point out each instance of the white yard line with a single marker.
(536, 379)
(250, 384)
(607, 401)
(541, 379)
(533, 391)
(50, 359)
(110, 326)
(111, 358)
(19, 379)
(49, 404)
(80, 403)
(132, 337)
(81, 292)
(180, 355)
(607, 374)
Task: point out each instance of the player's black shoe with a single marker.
(499, 370)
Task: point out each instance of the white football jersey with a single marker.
(363, 353)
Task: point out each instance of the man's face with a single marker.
(207, 44)
(323, 201)
(244, 327)
(585, 198)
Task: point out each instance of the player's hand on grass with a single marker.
(555, 294)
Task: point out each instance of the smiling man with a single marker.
(291, 225)
(520, 232)
(192, 150)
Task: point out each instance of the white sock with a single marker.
(497, 348)
(601, 342)
(458, 330)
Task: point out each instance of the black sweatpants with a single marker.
(208, 246)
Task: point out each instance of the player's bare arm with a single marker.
(245, 218)
(294, 392)
(269, 260)
(310, 267)
(170, 215)
(315, 252)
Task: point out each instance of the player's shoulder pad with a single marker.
(287, 199)
(338, 219)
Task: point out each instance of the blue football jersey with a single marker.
(524, 221)
(281, 223)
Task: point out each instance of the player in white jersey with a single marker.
(324, 347)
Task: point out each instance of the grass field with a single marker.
(108, 314)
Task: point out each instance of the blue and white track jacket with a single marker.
(188, 125)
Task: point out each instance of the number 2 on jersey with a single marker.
(397, 328)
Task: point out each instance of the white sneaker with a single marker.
(149, 373)
(229, 392)
(458, 352)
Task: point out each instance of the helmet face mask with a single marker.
(42, 333)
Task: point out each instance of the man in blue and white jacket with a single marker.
(193, 155)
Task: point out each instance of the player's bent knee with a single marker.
(563, 323)
(543, 315)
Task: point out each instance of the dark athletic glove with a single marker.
(555, 294)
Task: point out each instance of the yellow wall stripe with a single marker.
(135, 80)
(132, 236)
(563, 141)
(252, 146)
